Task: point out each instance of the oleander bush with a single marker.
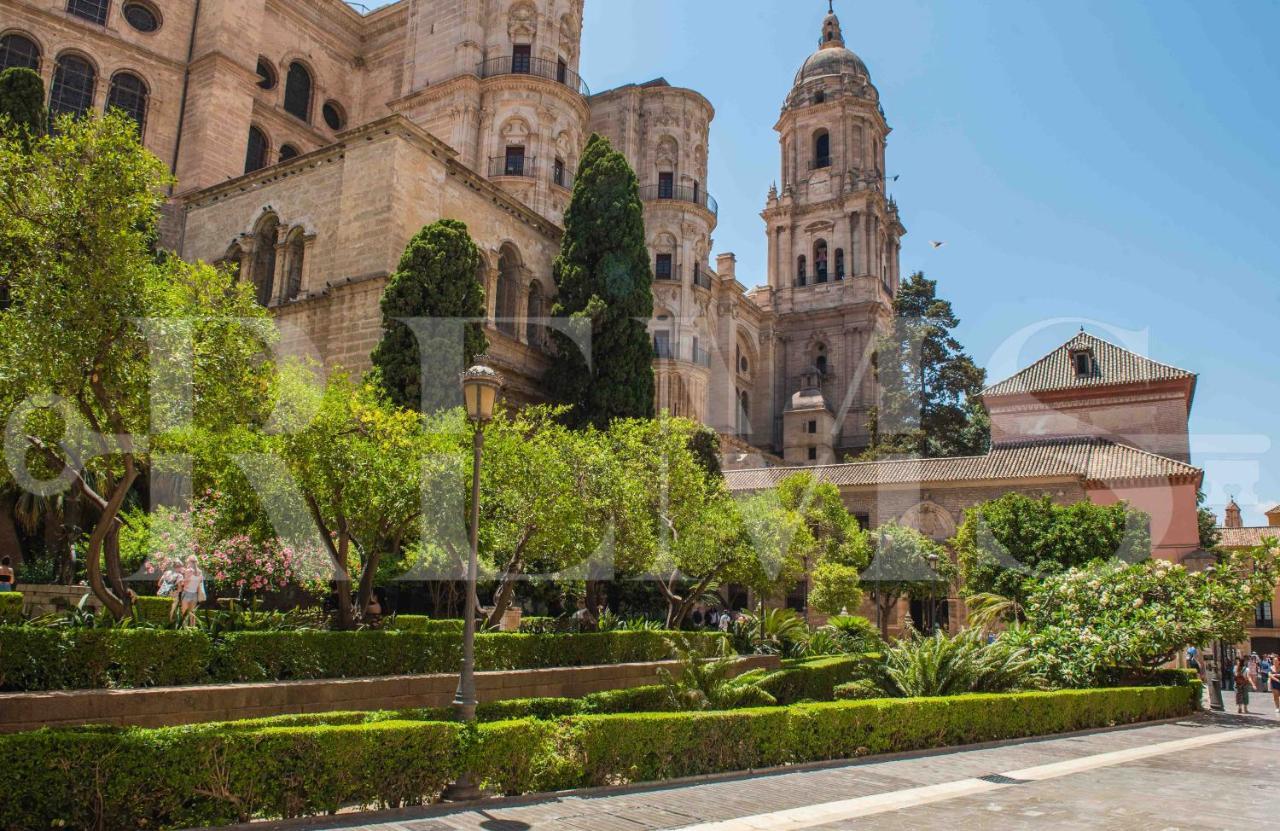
(10, 607)
(35, 658)
(207, 775)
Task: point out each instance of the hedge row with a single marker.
(33, 658)
(815, 679)
(529, 625)
(216, 774)
(10, 607)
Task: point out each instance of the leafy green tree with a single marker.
(604, 283)
(1095, 623)
(1207, 524)
(436, 279)
(775, 545)
(76, 366)
(358, 461)
(839, 549)
(547, 500)
(902, 568)
(1005, 542)
(929, 405)
(22, 111)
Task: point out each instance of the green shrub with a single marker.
(34, 658)
(422, 623)
(206, 775)
(10, 608)
(153, 609)
(945, 665)
(519, 708)
(814, 679)
(860, 690)
(649, 698)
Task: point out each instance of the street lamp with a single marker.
(1215, 672)
(480, 387)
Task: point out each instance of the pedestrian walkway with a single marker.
(1108, 778)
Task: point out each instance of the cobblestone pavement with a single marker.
(1210, 771)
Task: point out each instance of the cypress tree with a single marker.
(436, 279)
(22, 103)
(605, 281)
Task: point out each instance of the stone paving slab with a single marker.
(1163, 792)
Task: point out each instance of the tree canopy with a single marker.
(929, 404)
(902, 567)
(432, 306)
(1004, 542)
(604, 283)
(22, 112)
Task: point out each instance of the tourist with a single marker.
(1273, 681)
(1243, 684)
(1193, 659)
(726, 620)
(8, 580)
(167, 585)
(192, 590)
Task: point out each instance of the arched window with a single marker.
(73, 82)
(533, 322)
(128, 94)
(839, 263)
(819, 97)
(820, 261)
(264, 260)
(744, 413)
(297, 92)
(821, 364)
(95, 11)
(822, 149)
(802, 276)
(287, 152)
(256, 156)
(16, 50)
(295, 252)
(508, 291)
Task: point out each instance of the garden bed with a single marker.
(35, 658)
(219, 774)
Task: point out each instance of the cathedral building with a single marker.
(310, 141)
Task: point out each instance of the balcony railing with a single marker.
(701, 279)
(538, 67)
(666, 351)
(699, 197)
(562, 179)
(701, 357)
(820, 162)
(524, 166)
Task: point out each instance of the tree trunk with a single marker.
(346, 619)
(94, 552)
(366, 583)
(502, 597)
(10, 543)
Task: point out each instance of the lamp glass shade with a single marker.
(480, 392)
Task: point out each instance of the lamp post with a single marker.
(480, 387)
(1215, 672)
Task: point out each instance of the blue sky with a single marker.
(1108, 164)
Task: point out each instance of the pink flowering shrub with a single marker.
(235, 564)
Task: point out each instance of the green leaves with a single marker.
(436, 284)
(603, 274)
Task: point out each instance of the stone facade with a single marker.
(1264, 635)
(311, 141)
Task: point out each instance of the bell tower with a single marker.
(833, 239)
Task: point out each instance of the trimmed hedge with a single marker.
(814, 679)
(34, 658)
(153, 609)
(10, 607)
(217, 774)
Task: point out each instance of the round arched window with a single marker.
(333, 115)
(142, 16)
(287, 152)
(267, 77)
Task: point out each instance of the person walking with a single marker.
(1243, 684)
(169, 584)
(8, 580)
(1273, 681)
(193, 593)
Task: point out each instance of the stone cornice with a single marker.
(1091, 396)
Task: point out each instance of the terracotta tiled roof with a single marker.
(1088, 459)
(1247, 537)
(1114, 365)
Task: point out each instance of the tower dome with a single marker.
(832, 57)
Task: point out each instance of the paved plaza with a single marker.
(1207, 772)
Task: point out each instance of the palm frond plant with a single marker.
(705, 679)
(943, 665)
(988, 610)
